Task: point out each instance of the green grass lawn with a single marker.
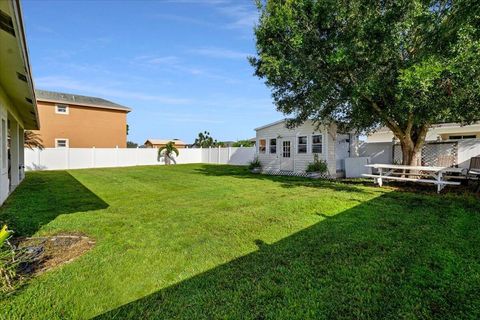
(215, 242)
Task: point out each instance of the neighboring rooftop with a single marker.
(165, 141)
(76, 99)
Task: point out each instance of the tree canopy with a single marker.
(404, 64)
(243, 143)
(204, 140)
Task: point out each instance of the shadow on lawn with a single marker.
(400, 255)
(42, 197)
(242, 172)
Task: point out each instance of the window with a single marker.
(273, 146)
(61, 109)
(302, 144)
(61, 143)
(262, 145)
(286, 149)
(4, 144)
(470, 136)
(317, 144)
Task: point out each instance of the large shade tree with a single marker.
(404, 64)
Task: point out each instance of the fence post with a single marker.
(229, 154)
(93, 157)
(218, 155)
(136, 156)
(116, 156)
(209, 154)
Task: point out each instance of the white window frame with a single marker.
(322, 143)
(67, 142)
(67, 109)
(298, 144)
(4, 143)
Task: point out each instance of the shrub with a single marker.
(8, 264)
(317, 165)
(255, 163)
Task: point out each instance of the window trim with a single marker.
(67, 109)
(270, 145)
(305, 144)
(321, 143)
(67, 143)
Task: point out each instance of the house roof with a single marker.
(76, 99)
(270, 124)
(165, 141)
(15, 76)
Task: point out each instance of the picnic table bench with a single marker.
(422, 174)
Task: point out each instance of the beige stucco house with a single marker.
(158, 143)
(18, 109)
(438, 132)
(77, 121)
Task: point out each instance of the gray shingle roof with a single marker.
(75, 99)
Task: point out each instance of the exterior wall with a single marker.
(8, 115)
(84, 127)
(300, 161)
(442, 131)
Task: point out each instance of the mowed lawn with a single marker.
(216, 242)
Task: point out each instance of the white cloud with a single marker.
(66, 83)
(223, 53)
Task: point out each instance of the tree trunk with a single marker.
(412, 148)
(410, 155)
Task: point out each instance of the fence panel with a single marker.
(441, 153)
(78, 158)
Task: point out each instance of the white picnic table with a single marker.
(423, 174)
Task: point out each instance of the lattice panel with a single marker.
(437, 154)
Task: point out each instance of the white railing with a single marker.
(82, 158)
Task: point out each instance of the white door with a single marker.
(342, 150)
(286, 156)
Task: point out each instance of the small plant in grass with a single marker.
(318, 166)
(255, 165)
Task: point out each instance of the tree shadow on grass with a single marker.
(242, 172)
(42, 197)
(390, 257)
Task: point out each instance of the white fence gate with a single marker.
(81, 158)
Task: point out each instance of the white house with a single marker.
(291, 150)
(438, 132)
(18, 109)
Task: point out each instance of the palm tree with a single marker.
(32, 140)
(167, 152)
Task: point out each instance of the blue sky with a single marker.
(181, 65)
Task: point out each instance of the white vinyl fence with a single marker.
(80, 158)
(459, 150)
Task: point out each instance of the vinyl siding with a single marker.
(300, 161)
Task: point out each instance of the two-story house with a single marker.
(76, 121)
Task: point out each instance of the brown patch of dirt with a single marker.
(45, 253)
